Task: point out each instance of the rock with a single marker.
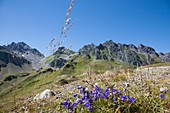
(163, 89)
(44, 95)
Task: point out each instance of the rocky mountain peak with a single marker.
(64, 51)
(87, 49)
(147, 50)
(60, 57)
(23, 50)
(132, 47)
(109, 43)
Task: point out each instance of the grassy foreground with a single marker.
(113, 91)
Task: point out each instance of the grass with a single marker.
(77, 66)
(157, 65)
(107, 75)
(145, 92)
(50, 58)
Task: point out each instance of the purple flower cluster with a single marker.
(87, 98)
(122, 97)
(128, 99)
(98, 93)
(84, 100)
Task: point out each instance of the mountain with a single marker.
(165, 57)
(11, 63)
(141, 55)
(24, 50)
(59, 58)
(20, 54)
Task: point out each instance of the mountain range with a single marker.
(20, 57)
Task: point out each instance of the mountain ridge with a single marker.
(109, 50)
(24, 50)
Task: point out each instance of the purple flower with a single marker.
(65, 104)
(127, 99)
(114, 91)
(132, 100)
(119, 92)
(79, 87)
(88, 100)
(95, 98)
(75, 95)
(106, 93)
(162, 96)
(107, 90)
(122, 98)
(87, 105)
(90, 109)
(114, 99)
(98, 89)
(74, 104)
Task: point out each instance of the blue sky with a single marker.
(36, 22)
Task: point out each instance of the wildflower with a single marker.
(75, 95)
(132, 100)
(98, 89)
(90, 109)
(74, 104)
(127, 99)
(114, 91)
(122, 98)
(119, 92)
(65, 104)
(87, 105)
(79, 87)
(106, 93)
(162, 96)
(115, 100)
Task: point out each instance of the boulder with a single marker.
(46, 94)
